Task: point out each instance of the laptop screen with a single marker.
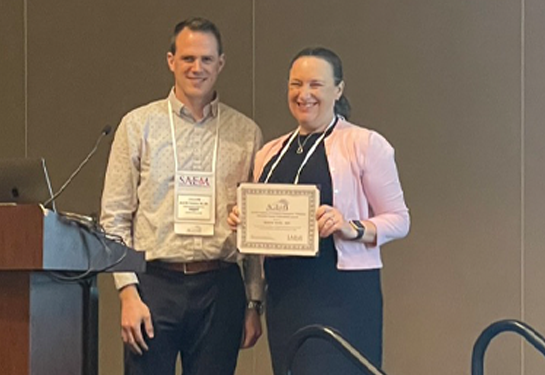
(24, 181)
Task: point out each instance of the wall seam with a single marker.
(253, 59)
(254, 354)
(522, 176)
(25, 48)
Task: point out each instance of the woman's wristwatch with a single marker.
(255, 305)
(359, 227)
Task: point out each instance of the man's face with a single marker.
(196, 65)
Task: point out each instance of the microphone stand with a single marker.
(107, 129)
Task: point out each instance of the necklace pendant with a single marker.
(299, 150)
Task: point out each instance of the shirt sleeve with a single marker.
(258, 144)
(119, 200)
(382, 187)
(252, 264)
(253, 277)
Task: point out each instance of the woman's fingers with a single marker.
(329, 219)
(233, 220)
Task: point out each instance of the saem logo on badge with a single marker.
(194, 181)
(281, 205)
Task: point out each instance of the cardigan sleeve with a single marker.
(382, 188)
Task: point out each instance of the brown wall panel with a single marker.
(91, 63)
(12, 78)
(441, 81)
(534, 152)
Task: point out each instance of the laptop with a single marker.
(24, 181)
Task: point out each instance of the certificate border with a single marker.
(255, 247)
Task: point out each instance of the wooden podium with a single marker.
(49, 326)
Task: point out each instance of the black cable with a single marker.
(100, 234)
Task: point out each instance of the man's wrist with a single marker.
(255, 305)
(129, 291)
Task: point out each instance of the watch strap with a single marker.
(359, 227)
(255, 305)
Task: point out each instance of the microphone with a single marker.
(105, 131)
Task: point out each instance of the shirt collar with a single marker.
(210, 110)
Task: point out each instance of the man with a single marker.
(170, 183)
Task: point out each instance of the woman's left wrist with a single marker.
(348, 232)
(359, 228)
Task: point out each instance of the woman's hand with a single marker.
(330, 221)
(233, 219)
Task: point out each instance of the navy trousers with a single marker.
(197, 316)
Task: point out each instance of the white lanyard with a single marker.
(175, 148)
(308, 155)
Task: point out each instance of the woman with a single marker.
(362, 208)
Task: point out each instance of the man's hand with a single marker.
(134, 314)
(252, 329)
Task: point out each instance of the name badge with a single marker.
(195, 203)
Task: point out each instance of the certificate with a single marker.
(278, 219)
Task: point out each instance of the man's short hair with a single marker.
(196, 24)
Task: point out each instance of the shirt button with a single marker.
(336, 191)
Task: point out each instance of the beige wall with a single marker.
(12, 77)
(534, 155)
(457, 88)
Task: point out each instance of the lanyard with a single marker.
(172, 132)
(307, 156)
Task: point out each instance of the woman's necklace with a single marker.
(300, 149)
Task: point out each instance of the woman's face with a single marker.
(312, 93)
